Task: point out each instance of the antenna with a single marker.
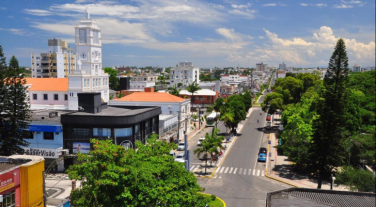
(87, 13)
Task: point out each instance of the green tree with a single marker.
(180, 85)
(162, 79)
(218, 104)
(357, 179)
(14, 107)
(235, 103)
(247, 100)
(174, 90)
(192, 88)
(167, 70)
(227, 117)
(326, 150)
(113, 79)
(148, 176)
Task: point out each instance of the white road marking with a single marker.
(193, 166)
(235, 170)
(217, 169)
(250, 170)
(240, 171)
(222, 169)
(215, 176)
(254, 171)
(219, 176)
(226, 169)
(230, 170)
(258, 172)
(245, 172)
(262, 173)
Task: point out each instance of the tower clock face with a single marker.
(96, 55)
(83, 55)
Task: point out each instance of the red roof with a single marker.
(151, 97)
(47, 84)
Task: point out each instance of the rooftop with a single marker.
(49, 116)
(47, 84)
(115, 111)
(202, 92)
(150, 97)
(166, 116)
(8, 163)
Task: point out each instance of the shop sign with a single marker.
(6, 181)
(44, 152)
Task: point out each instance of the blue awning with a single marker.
(44, 128)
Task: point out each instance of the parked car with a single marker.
(268, 117)
(181, 146)
(180, 158)
(262, 150)
(173, 154)
(200, 141)
(261, 157)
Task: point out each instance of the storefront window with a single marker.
(9, 200)
(101, 132)
(123, 132)
(137, 128)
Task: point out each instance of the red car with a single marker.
(268, 118)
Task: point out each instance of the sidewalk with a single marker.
(211, 169)
(279, 168)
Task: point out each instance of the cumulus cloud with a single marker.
(231, 35)
(342, 6)
(271, 4)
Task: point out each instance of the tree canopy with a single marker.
(148, 176)
(113, 79)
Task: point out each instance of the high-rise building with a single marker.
(184, 73)
(282, 66)
(89, 75)
(261, 67)
(356, 68)
(58, 62)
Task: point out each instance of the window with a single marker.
(35, 96)
(208, 97)
(9, 199)
(123, 132)
(101, 132)
(45, 96)
(66, 97)
(95, 37)
(56, 97)
(137, 128)
(27, 134)
(82, 35)
(48, 135)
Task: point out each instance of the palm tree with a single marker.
(227, 117)
(204, 148)
(174, 90)
(162, 79)
(192, 88)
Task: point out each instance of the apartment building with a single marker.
(261, 67)
(58, 62)
(235, 78)
(184, 73)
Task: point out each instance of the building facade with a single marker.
(261, 67)
(59, 62)
(356, 68)
(184, 73)
(89, 75)
(201, 98)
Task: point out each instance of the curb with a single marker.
(224, 204)
(277, 179)
(207, 176)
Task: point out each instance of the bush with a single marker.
(213, 197)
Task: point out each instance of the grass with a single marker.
(215, 203)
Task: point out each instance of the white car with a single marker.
(200, 141)
(173, 154)
(180, 158)
(181, 146)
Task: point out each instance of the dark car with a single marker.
(262, 150)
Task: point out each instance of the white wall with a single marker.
(40, 99)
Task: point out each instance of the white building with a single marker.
(261, 67)
(89, 76)
(58, 62)
(235, 78)
(169, 104)
(282, 66)
(141, 84)
(356, 68)
(184, 73)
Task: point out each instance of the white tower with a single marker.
(89, 76)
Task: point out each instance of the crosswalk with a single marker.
(232, 170)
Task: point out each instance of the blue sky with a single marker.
(301, 33)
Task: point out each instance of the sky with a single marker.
(210, 33)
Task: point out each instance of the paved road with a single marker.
(240, 180)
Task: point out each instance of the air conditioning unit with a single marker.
(64, 152)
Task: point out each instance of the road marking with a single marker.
(193, 166)
(226, 169)
(240, 171)
(230, 170)
(215, 176)
(250, 170)
(262, 173)
(245, 172)
(222, 169)
(217, 169)
(219, 176)
(254, 171)
(258, 172)
(235, 170)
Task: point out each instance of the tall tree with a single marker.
(235, 103)
(148, 176)
(326, 150)
(227, 117)
(174, 90)
(247, 99)
(113, 79)
(14, 110)
(192, 88)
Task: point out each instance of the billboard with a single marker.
(44, 152)
(81, 147)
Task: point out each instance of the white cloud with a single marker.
(342, 6)
(318, 5)
(352, 2)
(241, 6)
(261, 37)
(16, 31)
(231, 35)
(303, 4)
(271, 4)
(83, 1)
(38, 12)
